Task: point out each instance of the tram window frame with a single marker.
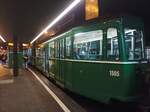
(62, 48)
(57, 50)
(39, 56)
(52, 50)
(113, 50)
(68, 46)
(87, 49)
(38, 52)
(134, 50)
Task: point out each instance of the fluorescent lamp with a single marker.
(2, 38)
(25, 45)
(70, 7)
(10, 44)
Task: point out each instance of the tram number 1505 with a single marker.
(114, 73)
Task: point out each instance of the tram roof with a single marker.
(125, 20)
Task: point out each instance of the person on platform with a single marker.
(26, 60)
(4, 58)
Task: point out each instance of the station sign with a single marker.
(91, 9)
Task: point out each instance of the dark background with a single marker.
(26, 18)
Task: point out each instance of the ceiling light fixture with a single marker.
(69, 8)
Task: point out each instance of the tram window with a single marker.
(57, 49)
(68, 46)
(112, 44)
(134, 44)
(88, 45)
(51, 50)
(62, 48)
(39, 52)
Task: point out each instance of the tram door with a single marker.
(43, 59)
(46, 60)
(50, 60)
(61, 62)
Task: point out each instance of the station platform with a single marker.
(30, 91)
(5, 74)
(27, 94)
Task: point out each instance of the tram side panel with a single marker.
(106, 81)
(89, 79)
(100, 81)
(68, 75)
(56, 70)
(51, 68)
(61, 71)
(135, 79)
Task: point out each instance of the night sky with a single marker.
(26, 18)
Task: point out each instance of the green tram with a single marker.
(100, 60)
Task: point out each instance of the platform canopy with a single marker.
(26, 18)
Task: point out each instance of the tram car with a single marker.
(102, 60)
(147, 51)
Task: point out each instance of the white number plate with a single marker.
(114, 73)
